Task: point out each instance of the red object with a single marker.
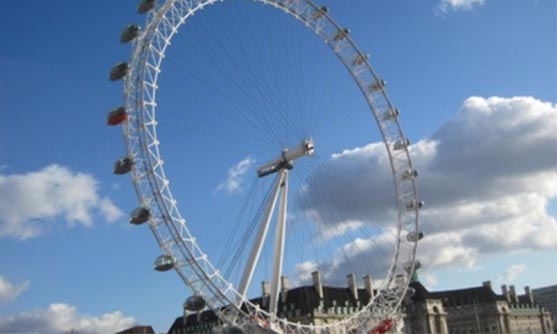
(116, 117)
(383, 327)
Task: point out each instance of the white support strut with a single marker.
(279, 244)
(281, 165)
(258, 243)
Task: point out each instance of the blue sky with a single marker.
(476, 87)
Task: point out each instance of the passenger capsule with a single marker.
(378, 85)
(408, 266)
(123, 166)
(360, 59)
(414, 205)
(195, 303)
(390, 114)
(145, 6)
(401, 144)
(119, 71)
(130, 33)
(410, 174)
(341, 34)
(140, 215)
(319, 13)
(164, 263)
(414, 236)
(410, 292)
(117, 116)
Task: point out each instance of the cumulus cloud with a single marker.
(10, 291)
(233, 182)
(487, 177)
(64, 318)
(447, 5)
(28, 200)
(430, 280)
(512, 272)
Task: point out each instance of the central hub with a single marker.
(286, 158)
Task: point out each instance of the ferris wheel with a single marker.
(275, 171)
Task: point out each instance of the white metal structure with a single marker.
(169, 227)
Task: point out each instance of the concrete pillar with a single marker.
(284, 287)
(317, 285)
(352, 285)
(368, 284)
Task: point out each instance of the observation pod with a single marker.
(319, 13)
(360, 59)
(130, 33)
(383, 327)
(123, 165)
(391, 114)
(401, 144)
(414, 236)
(410, 292)
(117, 116)
(164, 263)
(140, 215)
(408, 266)
(409, 174)
(119, 71)
(377, 86)
(195, 303)
(145, 6)
(414, 205)
(341, 34)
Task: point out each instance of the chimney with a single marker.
(487, 284)
(316, 276)
(285, 286)
(266, 294)
(514, 297)
(368, 284)
(529, 294)
(265, 288)
(352, 285)
(506, 293)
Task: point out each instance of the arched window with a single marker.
(437, 323)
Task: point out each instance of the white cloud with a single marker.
(429, 279)
(233, 182)
(487, 176)
(512, 272)
(28, 200)
(447, 5)
(10, 291)
(64, 318)
(110, 211)
(339, 229)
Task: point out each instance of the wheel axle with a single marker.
(286, 158)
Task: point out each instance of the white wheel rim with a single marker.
(153, 189)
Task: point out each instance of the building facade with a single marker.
(476, 310)
(479, 310)
(547, 298)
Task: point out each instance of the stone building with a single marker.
(316, 303)
(547, 298)
(479, 310)
(424, 312)
(476, 310)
